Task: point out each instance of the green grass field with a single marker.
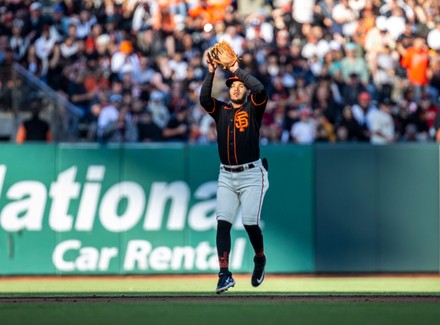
(191, 300)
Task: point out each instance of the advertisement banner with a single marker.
(85, 209)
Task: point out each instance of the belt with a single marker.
(239, 169)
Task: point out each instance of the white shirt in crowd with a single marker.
(302, 11)
(125, 63)
(382, 127)
(108, 115)
(363, 117)
(303, 132)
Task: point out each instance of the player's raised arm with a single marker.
(206, 100)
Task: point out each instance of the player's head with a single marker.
(237, 90)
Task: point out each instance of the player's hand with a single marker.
(211, 64)
(234, 67)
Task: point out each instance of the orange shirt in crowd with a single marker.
(416, 61)
(211, 12)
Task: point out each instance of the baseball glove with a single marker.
(223, 54)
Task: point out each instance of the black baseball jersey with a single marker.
(238, 129)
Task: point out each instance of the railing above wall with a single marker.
(60, 110)
(19, 88)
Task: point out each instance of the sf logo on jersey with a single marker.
(241, 120)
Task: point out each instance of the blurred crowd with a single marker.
(334, 70)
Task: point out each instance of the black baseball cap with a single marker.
(232, 79)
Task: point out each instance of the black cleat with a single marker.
(225, 281)
(258, 274)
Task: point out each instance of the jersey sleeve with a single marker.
(206, 99)
(258, 92)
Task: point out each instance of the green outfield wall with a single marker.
(149, 209)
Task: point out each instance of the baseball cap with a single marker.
(126, 47)
(35, 6)
(58, 8)
(334, 45)
(364, 96)
(387, 101)
(305, 111)
(116, 98)
(350, 46)
(103, 39)
(232, 79)
(156, 95)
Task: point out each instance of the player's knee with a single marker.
(223, 226)
(253, 229)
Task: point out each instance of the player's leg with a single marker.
(252, 192)
(226, 210)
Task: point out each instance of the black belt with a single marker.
(239, 169)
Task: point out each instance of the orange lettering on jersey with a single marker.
(241, 120)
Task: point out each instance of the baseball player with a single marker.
(243, 178)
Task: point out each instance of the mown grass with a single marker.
(212, 309)
(205, 285)
(224, 312)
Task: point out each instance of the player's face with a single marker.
(238, 92)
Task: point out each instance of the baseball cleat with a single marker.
(225, 282)
(258, 273)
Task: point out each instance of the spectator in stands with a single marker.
(164, 20)
(233, 37)
(34, 21)
(18, 42)
(44, 46)
(362, 111)
(210, 13)
(351, 89)
(382, 124)
(125, 59)
(434, 83)
(348, 129)
(54, 76)
(77, 91)
(340, 40)
(33, 63)
(396, 23)
(148, 131)
(304, 130)
(110, 120)
(332, 63)
(326, 99)
(345, 19)
(159, 111)
(416, 60)
(324, 129)
(384, 73)
(179, 66)
(84, 24)
(354, 63)
(418, 121)
(377, 39)
(59, 20)
(178, 127)
(34, 129)
(316, 45)
(433, 37)
(431, 111)
(70, 46)
(142, 16)
(437, 128)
